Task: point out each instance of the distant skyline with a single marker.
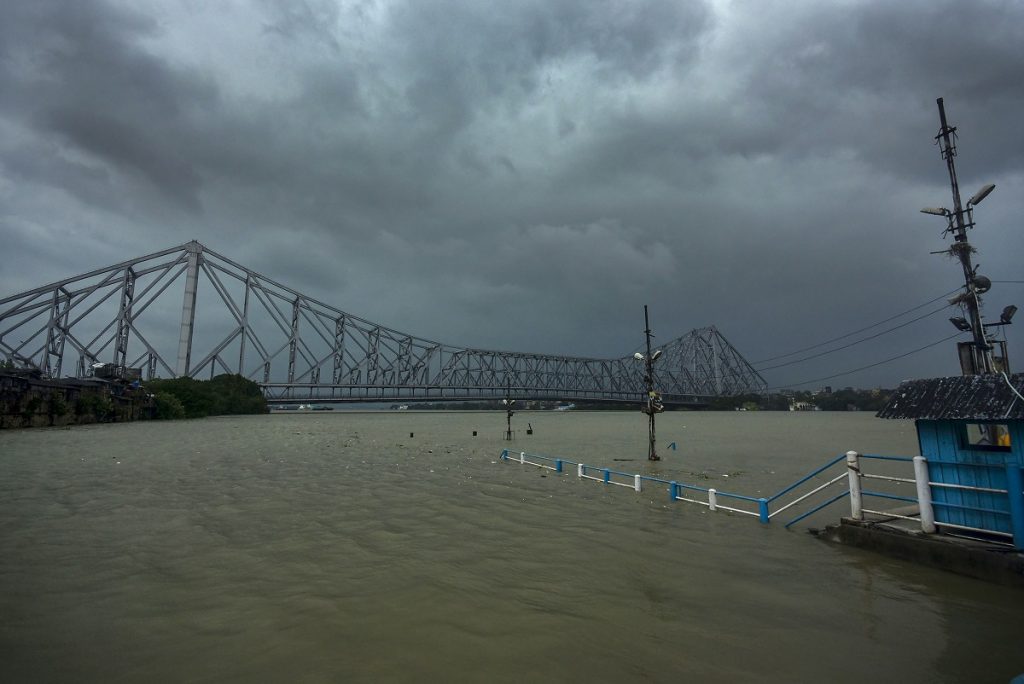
(526, 176)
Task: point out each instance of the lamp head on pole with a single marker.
(981, 194)
(960, 323)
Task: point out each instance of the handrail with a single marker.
(852, 471)
(807, 477)
(814, 491)
(817, 508)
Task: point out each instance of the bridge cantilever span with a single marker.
(301, 349)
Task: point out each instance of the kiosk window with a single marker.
(987, 436)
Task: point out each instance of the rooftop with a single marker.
(993, 396)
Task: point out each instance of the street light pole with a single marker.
(961, 248)
(653, 402)
(509, 402)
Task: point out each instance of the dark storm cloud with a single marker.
(78, 76)
(448, 167)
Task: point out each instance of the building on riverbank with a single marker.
(29, 400)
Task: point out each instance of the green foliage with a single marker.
(30, 407)
(85, 404)
(195, 396)
(56, 406)
(168, 407)
(99, 406)
(104, 407)
(223, 395)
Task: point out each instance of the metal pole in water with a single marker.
(652, 402)
(924, 495)
(712, 499)
(853, 470)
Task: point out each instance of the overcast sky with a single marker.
(527, 175)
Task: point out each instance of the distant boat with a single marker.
(565, 407)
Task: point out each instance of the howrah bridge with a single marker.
(300, 349)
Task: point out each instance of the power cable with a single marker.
(863, 339)
(842, 337)
(878, 363)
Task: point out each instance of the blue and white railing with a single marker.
(678, 491)
(920, 508)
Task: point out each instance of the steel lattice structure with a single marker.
(301, 349)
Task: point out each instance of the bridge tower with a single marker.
(188, 308)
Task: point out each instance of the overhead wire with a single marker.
(860, 330)
(872, 365)
(856, 342)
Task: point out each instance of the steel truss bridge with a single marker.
(300, 349)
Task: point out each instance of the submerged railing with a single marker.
(918, 509)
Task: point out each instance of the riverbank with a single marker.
(28, 400)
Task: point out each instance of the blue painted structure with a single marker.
(971, 431)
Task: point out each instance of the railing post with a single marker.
(712, 499)
(924, 495)
(853, 470)
(636, 483)
(558, 465)
(522, 457)
(1014, 487)
(607, 476)
(579, 470)
(504, 454)
(762, 510)
(672, 487)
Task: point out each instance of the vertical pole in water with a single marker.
(652, 451)
(924, 495)
(672, 487)
(522, 457)
(607, 476)
(853, 471)
(762, 510)
(504, 454)
(579, 470)
(636, 483)
(558, 465)
(712, 500)
(1014, 487)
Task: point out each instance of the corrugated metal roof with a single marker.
(979, 397)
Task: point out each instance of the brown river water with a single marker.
(334, 547)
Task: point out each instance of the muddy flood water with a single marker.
(335, 547)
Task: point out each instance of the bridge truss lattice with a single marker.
(301, 349)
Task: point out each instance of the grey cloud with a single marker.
(523, 175)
